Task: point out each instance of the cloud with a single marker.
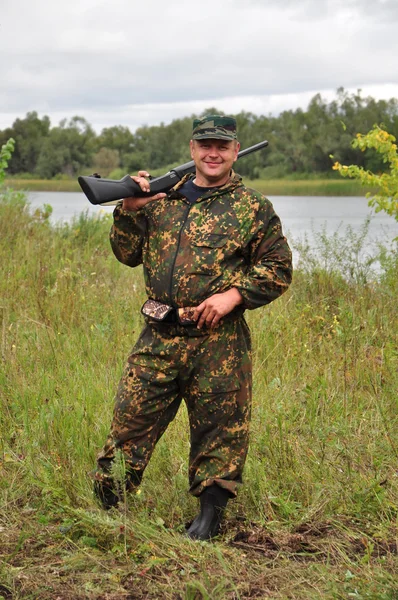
(316, 10)
(110, 59)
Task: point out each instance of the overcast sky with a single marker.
(124, 62)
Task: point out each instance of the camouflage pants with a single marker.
(211, 371)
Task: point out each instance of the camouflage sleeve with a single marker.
(270, 270)
(127, 235)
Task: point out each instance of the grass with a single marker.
(317, 515)
(309, 187)
(271, 187)
(44, 185)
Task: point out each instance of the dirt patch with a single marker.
(274, 544)
(374, 547)
(312, 541)
(5, 592)
(51, 566)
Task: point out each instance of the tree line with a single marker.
(301, 142)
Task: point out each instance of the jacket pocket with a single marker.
(209, 251)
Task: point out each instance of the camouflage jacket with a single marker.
(231, 237)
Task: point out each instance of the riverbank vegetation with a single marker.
(300, 143)
(385, 196)
(269, 187)
(316, 517)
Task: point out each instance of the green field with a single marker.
(316, 517)
(272, 187)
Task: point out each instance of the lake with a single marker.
(300, 215)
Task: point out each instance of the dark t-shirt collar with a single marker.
(192, 192)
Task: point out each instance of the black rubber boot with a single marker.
(213, 501)
(109, 492)
(106, 494)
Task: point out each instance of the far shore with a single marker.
(270, 187)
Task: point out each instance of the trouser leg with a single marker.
(147, 401)
(219, 403)
(213, 373)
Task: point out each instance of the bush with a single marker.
(386, 198)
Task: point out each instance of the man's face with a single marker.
(213, 160)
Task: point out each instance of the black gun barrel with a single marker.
(106, 192)
(251, 149)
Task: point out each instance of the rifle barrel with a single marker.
(252, 148)
(108, 191)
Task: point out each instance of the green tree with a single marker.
(68, 149)
(29, 134)
(135, 161)
(300, 141)
(117, 138)
(164, 145)
(383, 143)
(6, 151)
(252, 129)
(291, 141)
(105, 161)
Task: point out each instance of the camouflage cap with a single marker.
(214, 127)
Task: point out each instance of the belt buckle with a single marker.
(186, 315)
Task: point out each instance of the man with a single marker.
(211, 248)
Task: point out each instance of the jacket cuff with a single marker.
(121, 212)
(242, 289)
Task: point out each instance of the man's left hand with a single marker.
(213, 309)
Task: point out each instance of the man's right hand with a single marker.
(135, 202)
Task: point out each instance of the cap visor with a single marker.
(213, 136)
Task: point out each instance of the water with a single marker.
(66, 205)
(300, 215)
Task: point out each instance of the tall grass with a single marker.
(317, 514)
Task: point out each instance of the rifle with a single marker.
(108, 191)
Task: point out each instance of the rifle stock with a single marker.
(106, 192)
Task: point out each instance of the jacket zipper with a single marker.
(178, 247)
(175, 256)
